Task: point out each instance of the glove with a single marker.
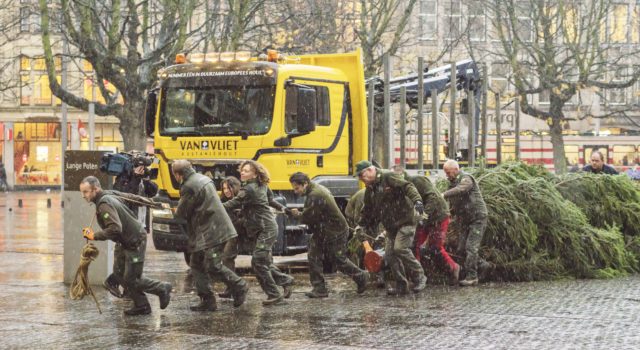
(419, 207)
(288, 211)
(87, 233)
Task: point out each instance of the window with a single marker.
(34, 88)
(25, 13)
(453, 19)
(572, 154)
(499, 77)
(624, 154)
(570, 23)
(55, 23)
(323, 118)
(618, 96)
(635, 24)
(477, 20)
(216, 110)
(544, 97)
(428, 19)
(524, 21)
(618, 23)
(323, 111)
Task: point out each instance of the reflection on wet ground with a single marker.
(37, 312)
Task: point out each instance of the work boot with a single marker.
(240, 295)
(287, 289)
(207, 303)
(316, 294)
(454, 278)
(273, 300)
(469, 281)
(138, 310)
(112, 286)
(225, 294)
(421, 284)
(165, 296)
(361, 281)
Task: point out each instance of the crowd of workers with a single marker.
(413, 215)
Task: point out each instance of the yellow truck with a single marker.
(304, 113)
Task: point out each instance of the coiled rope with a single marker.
(80, 286)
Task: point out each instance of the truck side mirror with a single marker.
(301, 105)
(150, 112)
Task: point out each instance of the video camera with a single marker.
(123, 163)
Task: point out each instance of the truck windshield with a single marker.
(217, 110)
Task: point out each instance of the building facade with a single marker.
(31, 117)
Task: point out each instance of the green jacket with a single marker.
(200, 209)
(253, 199)
(354, 208)
(236, 217)
(435, 206)
(389, 200)
(321, 213)
(465, 198)
(118, 222)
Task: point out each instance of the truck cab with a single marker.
(304, 113)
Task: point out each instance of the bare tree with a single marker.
(9, 29)
(558, 50)
(381, 29)
(126, 43)
(313, 26)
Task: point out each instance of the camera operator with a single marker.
(137, 182)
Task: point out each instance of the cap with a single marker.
(361, 165)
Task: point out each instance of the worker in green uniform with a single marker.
(393, 201)
(468, 207)
(329, 231)
(261, 227)
(208, 228)
(119, 224)
(431, 233)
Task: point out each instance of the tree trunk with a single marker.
(132, 127)
(559, 161)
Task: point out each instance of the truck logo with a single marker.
(298, 162)
(214, 145)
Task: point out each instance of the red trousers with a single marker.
(435, 236)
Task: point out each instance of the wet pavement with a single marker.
(38, 313)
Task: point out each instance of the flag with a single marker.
(81, 129)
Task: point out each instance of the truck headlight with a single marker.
(162, 213)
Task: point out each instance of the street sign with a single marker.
(80, 164)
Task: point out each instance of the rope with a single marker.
(80, 285)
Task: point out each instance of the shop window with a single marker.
(624, 155)
(572, 155)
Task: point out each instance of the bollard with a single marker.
(19, 203)
(48, 202)
(62, 204)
